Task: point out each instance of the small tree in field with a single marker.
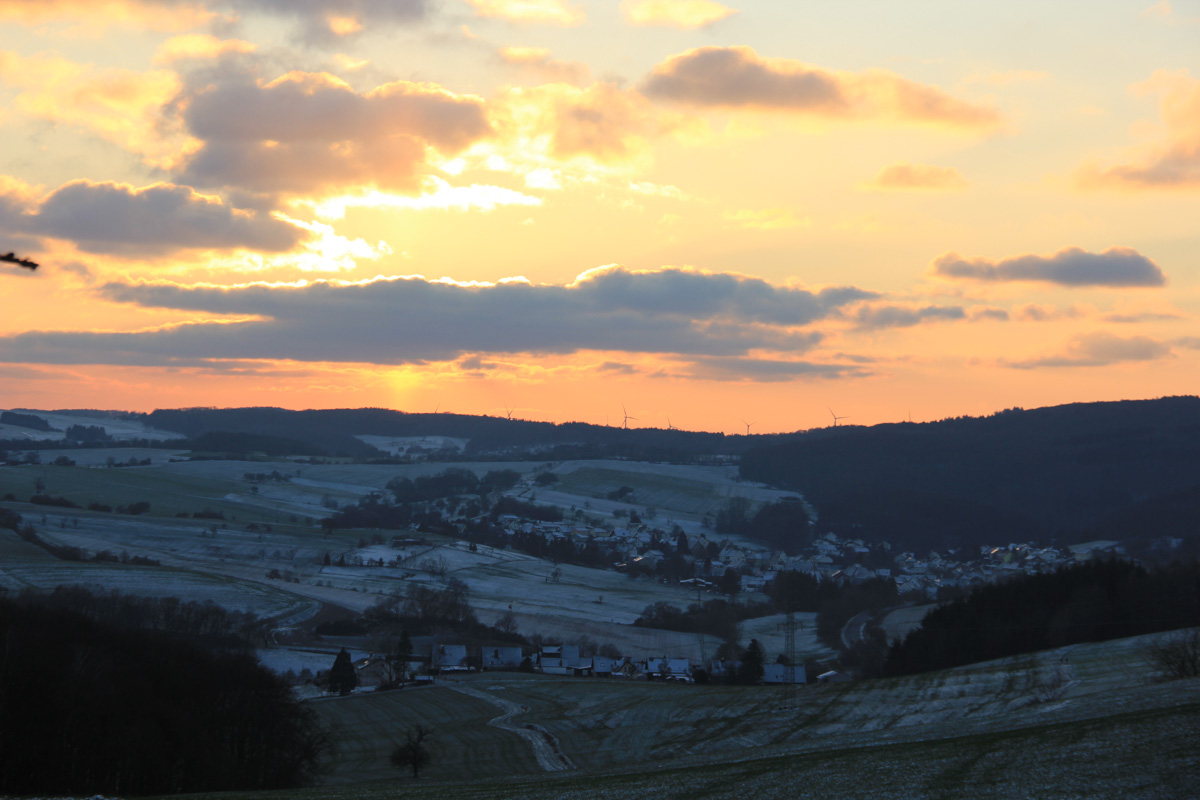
(396, 659)
(413, 752)
(1177, 656)
(342, 677)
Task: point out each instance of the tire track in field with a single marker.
(545, 747)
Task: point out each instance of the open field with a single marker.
(898, 623)
(988, 730)
(598, 604)
(168, 490)
(1085, 721)
(681, 494)
(116, 428)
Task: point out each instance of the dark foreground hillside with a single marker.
(1094, 727)
(88, 707)
(1014, 476)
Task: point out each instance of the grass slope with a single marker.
(1135, 754)
(1087, 721)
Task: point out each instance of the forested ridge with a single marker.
(1014, 476)
(1090, 602)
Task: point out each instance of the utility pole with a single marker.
(789, 652)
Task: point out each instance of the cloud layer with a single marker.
(413, 320)
(312, 133)
(1173, 164)
(737, 77)
(683, 14)
(1100, 349)
(319, 20)
(1115, 267)
(120, 219)
(549, 12)
(917, 176)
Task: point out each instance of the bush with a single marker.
(1177, 656)
(413, 752)
(47, 500)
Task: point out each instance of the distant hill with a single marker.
(333, 431)
(31, 421)
(1013, 476)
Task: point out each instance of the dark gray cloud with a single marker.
(766, 370)
(477, 363)
(115, 218)
(893, 316)
(737, 77)
(120, 219)
(1141, 316)
(308, 132)
(1116, 267)
(1036, 313)
(315, 16)
(617, 367)
(995, 314)
(413, 320)
(1100, 349)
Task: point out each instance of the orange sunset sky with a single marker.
(707, 212)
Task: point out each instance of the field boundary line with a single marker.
(545, 747)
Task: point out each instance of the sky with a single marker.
(742, 216)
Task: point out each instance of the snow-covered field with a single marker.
(289, 659)
(400, 445)
(281, 571)
(123, 429)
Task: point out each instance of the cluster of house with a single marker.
(830, 557)
(563, 660)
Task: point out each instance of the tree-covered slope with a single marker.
(1014, 475)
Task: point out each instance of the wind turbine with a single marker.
(835, 417)
(508, 413)
(627, 417)
(670, 427)
(747, 424)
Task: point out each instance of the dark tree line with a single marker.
(782, 525)
(89, 707)
(834, 601)
(717, 617)
(451, 482)
(1090, 602)
(31, 421)
(334, 431)
(968, 481)
(200, 623)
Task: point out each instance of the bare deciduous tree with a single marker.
(1178, 655)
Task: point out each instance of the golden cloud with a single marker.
(119, 105)
(904, 176)
(199, 46)
(133, 13)
(1172, 164)
(311, 133)
(554, 12)
(738, 78)
(685, 14)
(766, 219)
(602, 123)
(541, 62)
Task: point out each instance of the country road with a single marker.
(545, 746)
